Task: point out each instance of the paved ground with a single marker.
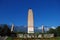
(3, 38)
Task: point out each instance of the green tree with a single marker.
(58, 30)
(51, 30)
(5, 30)
(0, 30)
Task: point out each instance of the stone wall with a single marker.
(35, 36)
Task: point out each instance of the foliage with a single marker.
(58, 30)
(0, 30)
(51, 30)
(4, 30)
(55, 31)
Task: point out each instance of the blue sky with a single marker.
(46, 12)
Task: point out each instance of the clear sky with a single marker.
(45, 12)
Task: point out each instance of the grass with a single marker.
(9, 38)
(56, 38)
